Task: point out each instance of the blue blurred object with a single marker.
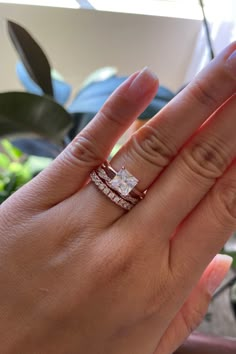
(37, 147)
(91, 98)
(61, 89)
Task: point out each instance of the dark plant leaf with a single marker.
(80, 120)
(32, 56)
(27, 115)
(233, 298)
(61, 89)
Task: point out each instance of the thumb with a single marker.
(192, 312)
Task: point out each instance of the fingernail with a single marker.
(143, 82)
(222, 263)
(231, 63)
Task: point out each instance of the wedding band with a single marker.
(109, 193)
(118, 186)
(108, 180)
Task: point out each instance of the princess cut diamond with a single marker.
(123, 182)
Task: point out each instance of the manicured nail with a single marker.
(231, 63)
(222, 263)
(143, 82)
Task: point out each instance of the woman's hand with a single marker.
(78, 274)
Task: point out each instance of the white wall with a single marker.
(79, 41)
(221, 17)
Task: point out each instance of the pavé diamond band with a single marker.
(108, 180)
(109, 193)
(119, 187)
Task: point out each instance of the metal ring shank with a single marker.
(103, 175)
(109, 193)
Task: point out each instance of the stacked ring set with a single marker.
(119, 187)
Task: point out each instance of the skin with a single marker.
(80, 275)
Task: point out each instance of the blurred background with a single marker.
(78, 41)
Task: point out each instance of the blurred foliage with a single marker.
(16, 168)
(233, 255)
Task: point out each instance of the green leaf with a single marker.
(25, 114)
(32, 56)
(4, 161)
(15, 167)
(22, 174)
(11, 150)
(233, 255)
(2, 185)
(37, 163)
(13, 178)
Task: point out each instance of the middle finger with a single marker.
(155, 145)
(188, 179)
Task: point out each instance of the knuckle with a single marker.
(206, 158)
(12, 211)
(114, 112)
(83, 150)
(152, 146)
(204, 94)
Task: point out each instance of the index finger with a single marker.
(70, 170)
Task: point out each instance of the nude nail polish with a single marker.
(231, 63)
(143, 82)
(219, 272)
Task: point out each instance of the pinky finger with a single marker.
(195, 307)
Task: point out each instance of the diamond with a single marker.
(123, 182)
(106, 190)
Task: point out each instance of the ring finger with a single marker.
(154, 146)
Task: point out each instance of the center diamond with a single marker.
(123, 182)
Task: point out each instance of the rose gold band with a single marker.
(119, 186)
(109, 193)
(104, 176)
